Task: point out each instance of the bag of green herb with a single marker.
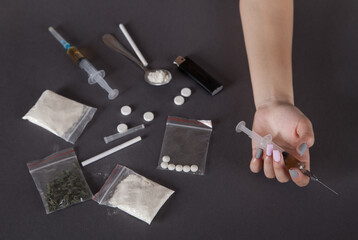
(59, 180)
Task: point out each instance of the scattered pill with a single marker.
(179, 168)
(185, 92)
(186, 168)
(194, 168)
(166, 158)
(171, 167)
(126, 110)
(179, 100)
(122, 127)
(148, 116)
(164, 165)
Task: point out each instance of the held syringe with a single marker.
(94, 76)
(290, 161)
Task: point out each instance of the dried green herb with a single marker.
(66, 189)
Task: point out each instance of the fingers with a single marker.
(256, 161)
(297, 176)
(268, 164)
(279, 167)
(305, 134)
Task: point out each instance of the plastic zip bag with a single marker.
(133, 194)
(185, 145)
(59, 180)
(61, 116)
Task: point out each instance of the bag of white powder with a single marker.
(61, 116)
(133, 194)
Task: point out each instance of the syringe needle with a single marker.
(327, 187)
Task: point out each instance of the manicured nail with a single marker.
(302, 149)
(259, 153)
(293, 173)
(276, 155)
(269, 149)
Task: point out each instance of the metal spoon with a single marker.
(114, 44)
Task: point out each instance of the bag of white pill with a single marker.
(185, 145)
(133, 194)
(61, 116)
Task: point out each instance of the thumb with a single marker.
(305, 135)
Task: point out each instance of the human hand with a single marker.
(291, 130)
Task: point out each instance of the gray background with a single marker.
(229, 202)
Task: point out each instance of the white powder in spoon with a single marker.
(140, 197)
(158, 76)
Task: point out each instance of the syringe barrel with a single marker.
(95, 76)
(254, 136)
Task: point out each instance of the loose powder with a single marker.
(140, 197)
(158, 77)
(61, 116)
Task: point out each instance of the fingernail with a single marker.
(293, 173)
(276, 155)
(302, 149)
(259, 153)
(269, 149)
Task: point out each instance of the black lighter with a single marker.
(198, 74)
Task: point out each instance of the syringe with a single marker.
(94, 76)
(290, 161)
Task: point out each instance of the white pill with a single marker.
(148, 116)
(185, 92)
(186, 168)
(179, 168)
(122, 127)
(171, 167)
(179, 100)
(194, 168)
(126, 110)
(164, 165)
(166, 158)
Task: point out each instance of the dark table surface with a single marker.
(228, 202)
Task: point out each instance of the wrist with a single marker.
(273, 100)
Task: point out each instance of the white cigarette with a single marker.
(132, 43)
(110, 151)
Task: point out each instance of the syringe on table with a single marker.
(94, 76)
(290, 161)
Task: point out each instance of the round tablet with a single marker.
(148, 116)
(185, 92)
(166, 158)
(194, 168)
(126, 110)
(186, 168)
(122, 127)
(171, 167)
(179, 100)
(164, 165)
(179, 168)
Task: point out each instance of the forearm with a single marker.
(268, 28)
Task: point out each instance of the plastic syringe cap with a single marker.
(239, 125)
